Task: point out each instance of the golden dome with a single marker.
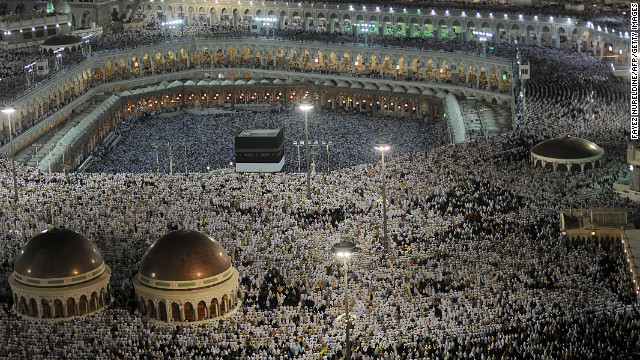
(184, 255)
(57, 253)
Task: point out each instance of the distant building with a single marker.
(567, 153)
(260, 150)
(59, 274)
(186, 276)
(630, 187)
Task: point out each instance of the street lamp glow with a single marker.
(8, 110)
(382, 145)
(305, 107)
(344, 250)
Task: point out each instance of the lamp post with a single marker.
(383, 146)
(156, 145)
(10, 111)
(298, 144)
(327, 144)
(186, 144)
(64, 164)
(306, 107)
(313, 155)
(169, 144)
(343, 250)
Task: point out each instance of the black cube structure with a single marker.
(260, 150)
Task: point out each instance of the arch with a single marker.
(575, 167)
(83, 305)
(71, 307)
(175, 312)
(562, 167)
(33, 308)
(562, 34)
(188, 312)
(162, 310)
(202, 310)
(142, 307)
(93, 303)
(22, 306)
(151, 310)
(46, 308)
(548, 166)
(57, 308)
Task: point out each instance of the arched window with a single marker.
(93, 304)
(175, 312)
(57, 308)
(202, 310)
(162, 309)
(33, 307)
(46, 309)
(83, 305)
(142, 306)
(151, 309)
(188, 312)
(22, 306)
(71, 307)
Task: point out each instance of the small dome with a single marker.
(568, 148)
(184, 255)
(57, 253)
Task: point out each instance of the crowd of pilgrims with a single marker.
(478, 268)
(210, 140)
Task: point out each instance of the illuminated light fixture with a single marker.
(550, 18)
(536, 17)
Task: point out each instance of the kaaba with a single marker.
(260, 150)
